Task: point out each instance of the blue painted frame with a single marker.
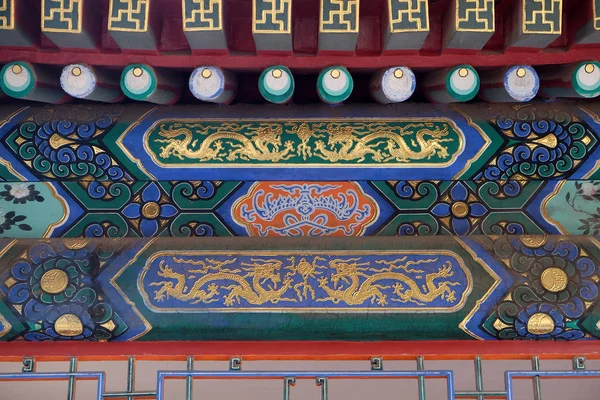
(285, 375)
(509, 375)
(100, 376)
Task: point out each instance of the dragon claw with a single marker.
(228, 301)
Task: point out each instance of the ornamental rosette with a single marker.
(461, 209)
(52, 287)
(151, 212)
(559, 283)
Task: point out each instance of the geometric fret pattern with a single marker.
(542, 16)
(339, 16)
(128, 15)
(62, 16)
(475, 15)
(202, 15)
(7, 14)
(271, 16)
(409, 15)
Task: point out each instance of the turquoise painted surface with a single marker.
(31, 210)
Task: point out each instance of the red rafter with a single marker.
(301, 63)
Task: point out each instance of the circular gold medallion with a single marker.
(460, 209)
(206, 73)
(137, 71)
(17, 69)
(463, 72)
(54, 281)
(398, 73)
(589, 68)
(521, 72)
(277, 73)
(533, 241)
(151, 210)
(335, 73)
(554, 279)
(68, 325)
(540, 324)
(76, 71)
(76, 243)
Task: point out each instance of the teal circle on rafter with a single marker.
(276, 84)
(462, 82)
(586, 79)
(17, 79)
(138, 81)
(334, 84)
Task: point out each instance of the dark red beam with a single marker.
(302, 350)
(302, 63)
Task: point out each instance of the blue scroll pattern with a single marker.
(548, 144)
(63, 143)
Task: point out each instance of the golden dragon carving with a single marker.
(356, 148)
(262, 145)
(352, 283)
(355, 142)
(350, 271)
(259, 272)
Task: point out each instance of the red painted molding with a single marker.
(301, 350)
(302, 63)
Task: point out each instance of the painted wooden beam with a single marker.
(130, 24)
(469, 24)
(410, 141)
(338, 25)
(69, 24)
(16, 27)
(272, 25)
(204, 25)
(406, 24)
(535, 24)
(446, 288)
(296, 206)
(468, 169)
